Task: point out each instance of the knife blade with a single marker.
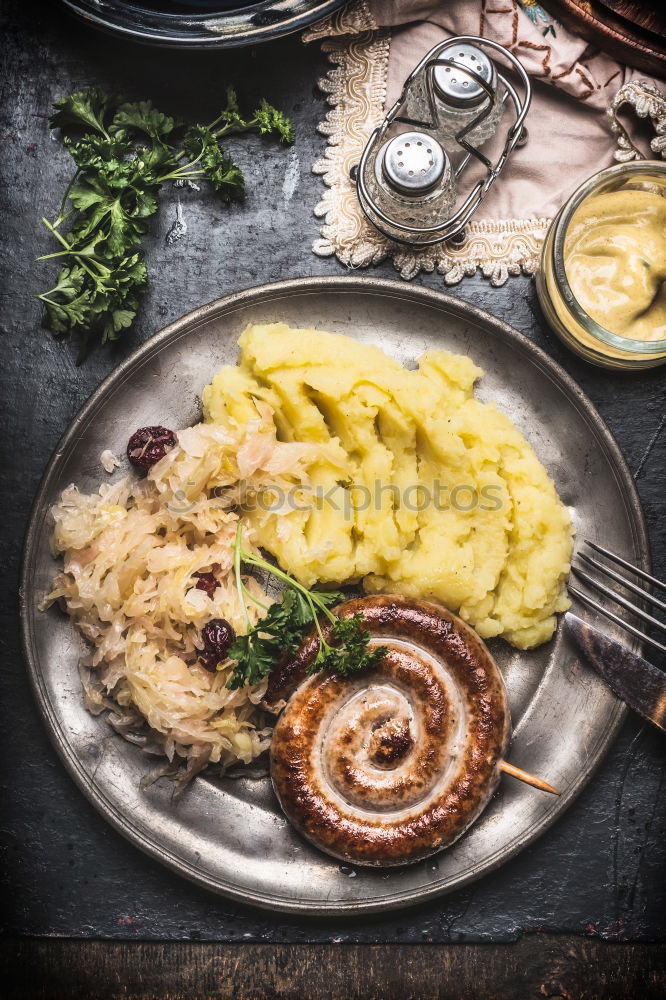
(638, 683)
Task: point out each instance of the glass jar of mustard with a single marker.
(602, 277)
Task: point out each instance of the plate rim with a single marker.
(181, 328)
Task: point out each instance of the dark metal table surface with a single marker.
(599, 871)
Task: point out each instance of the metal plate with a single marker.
(202, 24)
(229, 835)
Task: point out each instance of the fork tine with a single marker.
(627, 565)
(616, 618)
(619, 578)
(619, 599)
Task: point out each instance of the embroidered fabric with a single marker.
(356, 90)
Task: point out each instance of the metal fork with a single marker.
(618, 598)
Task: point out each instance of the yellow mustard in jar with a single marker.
(615, 261)
(601, 280)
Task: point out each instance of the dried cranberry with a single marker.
(206, 582)
(209, 660)
(217, 636)
(148, 445)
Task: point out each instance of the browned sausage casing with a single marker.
(391, 765)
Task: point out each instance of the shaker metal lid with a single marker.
(413, 163)
(453, 85)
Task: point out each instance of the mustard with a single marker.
(615, 261)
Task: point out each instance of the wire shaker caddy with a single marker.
(452, 102)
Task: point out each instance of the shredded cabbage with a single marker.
(130, 554)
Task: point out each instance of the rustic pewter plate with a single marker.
(229, 835)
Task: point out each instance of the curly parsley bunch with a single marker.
(124, 152)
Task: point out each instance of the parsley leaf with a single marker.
(270, 121)
(300, 612)
(64, 317)
(67, 304)
(255, 657)
(96, 152)
(69, 283)
(346, 649)
(143, 117)
(85, 107)
(114, 216)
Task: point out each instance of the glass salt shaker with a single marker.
(460, 98)
(411, 181)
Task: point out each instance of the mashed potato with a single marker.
(419, 488)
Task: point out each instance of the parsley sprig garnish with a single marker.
(344, 650)
(124, 152)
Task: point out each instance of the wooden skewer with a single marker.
(529, 779)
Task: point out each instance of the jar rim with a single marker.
(589, 187)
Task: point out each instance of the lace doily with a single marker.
(647, 102)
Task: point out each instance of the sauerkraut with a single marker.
(130, 554)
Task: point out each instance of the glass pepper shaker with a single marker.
(460, 98)
(411, 181)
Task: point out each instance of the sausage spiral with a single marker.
(390, 766)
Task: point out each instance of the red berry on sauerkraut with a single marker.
(148, 445)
